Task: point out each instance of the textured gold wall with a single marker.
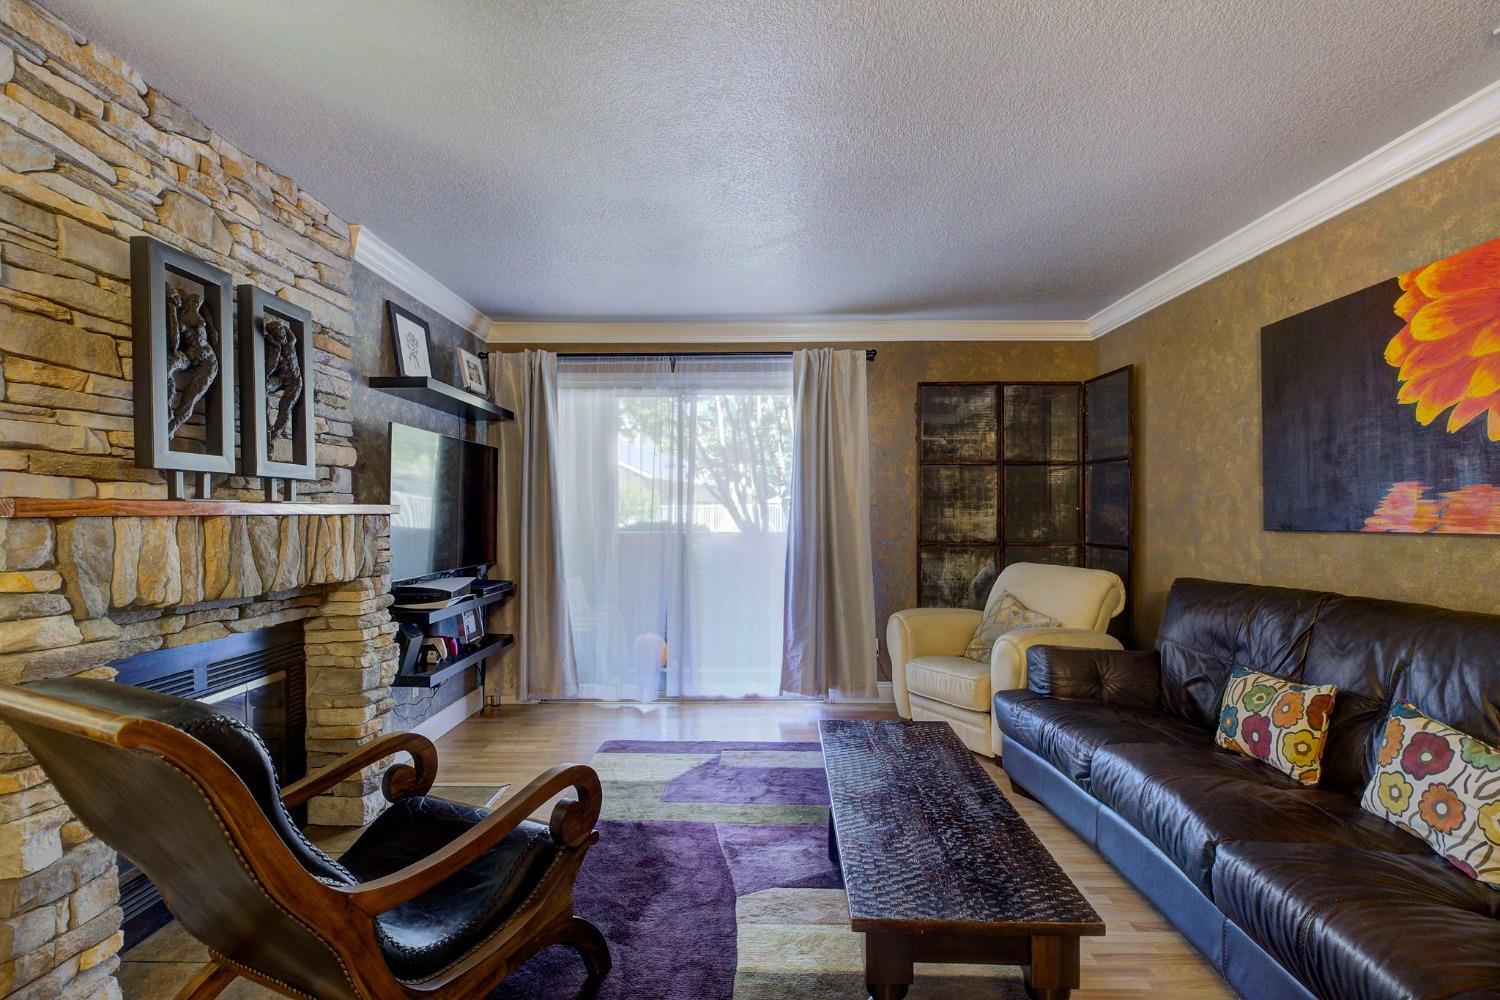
(1198, 478)
(893, 449)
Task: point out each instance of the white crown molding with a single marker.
(812, 332)
(1446, 134)
(386, 261)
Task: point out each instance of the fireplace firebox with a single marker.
(256, 677)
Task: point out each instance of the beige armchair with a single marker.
(933, 680)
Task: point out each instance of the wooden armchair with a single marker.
(435, 899)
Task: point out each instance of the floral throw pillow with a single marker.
(1274, 720)
(1441, 785)
(1004, 614)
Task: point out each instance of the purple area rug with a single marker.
(711, 881)
(664, 893)
(662, 896)
(765, 785)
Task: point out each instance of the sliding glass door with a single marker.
(674, 477)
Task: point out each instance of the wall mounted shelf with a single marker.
(492, 644)
(432, 617)
(440, 395)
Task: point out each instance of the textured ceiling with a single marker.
(978, 159)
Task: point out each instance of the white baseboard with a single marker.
(445, 719)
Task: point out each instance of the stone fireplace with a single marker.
(88, 585)
(256, 677)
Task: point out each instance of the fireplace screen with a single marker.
(255, 677)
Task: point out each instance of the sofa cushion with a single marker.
(1274, 720)
(1189, 800)
(1440, 785)
(952, 680)
(1210, 628)
(1354, 923)
(1066, 734)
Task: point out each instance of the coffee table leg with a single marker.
(1053, 973)
(888, 965)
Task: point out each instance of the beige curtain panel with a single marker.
(828, 644)
(529, 543)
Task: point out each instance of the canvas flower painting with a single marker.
(1381, 410)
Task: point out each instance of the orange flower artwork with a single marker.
(1448, 353)
(1381, 409)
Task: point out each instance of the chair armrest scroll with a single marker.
(400, 781)
(1129, 678)
(571, 826)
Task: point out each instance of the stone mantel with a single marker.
(54, 509)
(87, 582)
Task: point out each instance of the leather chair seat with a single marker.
(1189, 800)
(428, 933)
(1361, 924)
(1067, 734)
(952, 680)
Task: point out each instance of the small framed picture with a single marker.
(471, 370)
(468, 627)
(412, 337)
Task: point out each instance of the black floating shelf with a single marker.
(500, 593)
(441, 396)
(491, 645)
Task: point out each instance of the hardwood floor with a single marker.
(1140, 957)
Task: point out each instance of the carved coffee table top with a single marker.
(925, 837)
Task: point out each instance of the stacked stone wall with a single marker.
(91, 155)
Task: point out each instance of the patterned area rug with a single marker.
(711, 881)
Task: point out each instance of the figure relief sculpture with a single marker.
(192, 363)
(283, 374)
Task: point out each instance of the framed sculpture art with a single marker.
(276, 414)
(184, 365)
(1381, 409)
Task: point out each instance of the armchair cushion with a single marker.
(421, 937)
(952, 680)
(1004, 613)
(1128, 678)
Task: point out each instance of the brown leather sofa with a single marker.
(1289, 891)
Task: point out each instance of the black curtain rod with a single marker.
(869, 354)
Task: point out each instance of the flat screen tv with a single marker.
(445, 488)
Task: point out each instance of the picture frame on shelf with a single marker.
(411, 336)
(469, 629)
(471, 373)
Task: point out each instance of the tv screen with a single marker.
(445, 488)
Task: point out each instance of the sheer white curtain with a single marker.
(673, 475)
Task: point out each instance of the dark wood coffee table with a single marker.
(939, 866)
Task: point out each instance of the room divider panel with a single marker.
(1020, 472)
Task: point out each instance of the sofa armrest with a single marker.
(1008, 657)
(1128, 678)
(925, 632)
